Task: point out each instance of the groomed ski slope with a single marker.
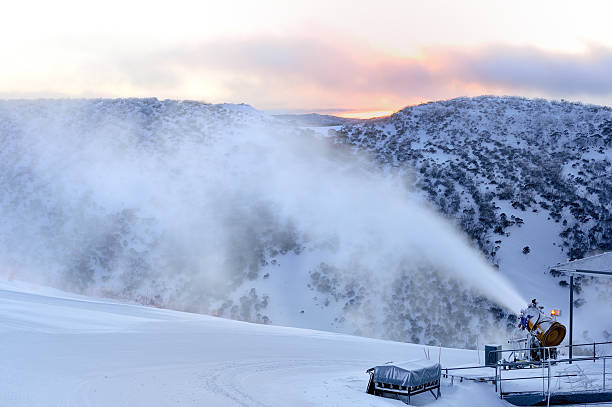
(59, 349)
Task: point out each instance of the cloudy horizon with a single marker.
(310, 56)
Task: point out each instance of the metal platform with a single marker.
(580, 380)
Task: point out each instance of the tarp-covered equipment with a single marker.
(405, 379)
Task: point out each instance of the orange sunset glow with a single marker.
(364, 115)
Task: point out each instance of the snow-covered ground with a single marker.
(59, 349)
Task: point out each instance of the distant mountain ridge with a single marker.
(315, 119)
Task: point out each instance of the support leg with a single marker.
(434, 394)
(571, 318)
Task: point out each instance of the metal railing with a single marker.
(550, 349)
(546, 365)
(547, 374)
(462, 377)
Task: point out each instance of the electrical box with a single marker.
(491, 354)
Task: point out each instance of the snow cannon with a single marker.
(550, 333)
(543, 330)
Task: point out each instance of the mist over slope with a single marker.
(221, 209)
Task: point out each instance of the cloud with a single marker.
(300, 72)
(529, 68)
(297, 72)
(331, 71)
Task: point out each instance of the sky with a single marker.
(347, 57)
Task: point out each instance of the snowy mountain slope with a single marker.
(63, 351)
(472, 154)
(529, 180)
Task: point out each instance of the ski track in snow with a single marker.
(64, 350)
(76, 352)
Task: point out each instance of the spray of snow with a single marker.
(172, 208)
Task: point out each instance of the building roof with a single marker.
(601, 263)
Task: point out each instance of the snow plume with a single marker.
(179, 204)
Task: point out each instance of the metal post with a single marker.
(604, 374)
(571, 317)
(543, 378)
(593, 352)
(501, 394)
(548, 398)
(496, 366)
